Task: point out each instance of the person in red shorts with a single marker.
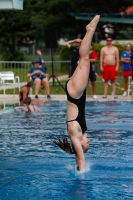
(109, 65)
(126, 66)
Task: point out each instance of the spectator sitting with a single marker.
(39, 77)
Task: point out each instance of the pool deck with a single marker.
(10, 99)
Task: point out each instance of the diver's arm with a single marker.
(79, 156)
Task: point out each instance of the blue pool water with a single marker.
(33, 168)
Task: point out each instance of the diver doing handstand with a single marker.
(76, 97)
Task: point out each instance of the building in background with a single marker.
(11, 4)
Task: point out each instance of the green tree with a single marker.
(54, 14)
(16, 26)
(37, 16)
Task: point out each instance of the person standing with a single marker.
(131, 61)
(41, 58)
(92, 76)
(76, 96)
(126, 66)
(109, 65)
(74, 53)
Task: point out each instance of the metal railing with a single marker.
(61, 69)
(20, 68)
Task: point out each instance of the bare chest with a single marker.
(109, 53)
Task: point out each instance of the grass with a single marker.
(57, 89)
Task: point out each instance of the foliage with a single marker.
(123, 34)
(97, 47)
(65, 53)
(121, 47)
(55, 14)
(25, 27)
(16, 26)
(12, 56)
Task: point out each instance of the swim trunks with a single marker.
(80, 103)
(109, 73)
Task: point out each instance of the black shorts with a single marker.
(92, 76)
(41, 78)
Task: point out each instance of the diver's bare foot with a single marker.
(92, 25)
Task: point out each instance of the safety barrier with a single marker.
(61, 69)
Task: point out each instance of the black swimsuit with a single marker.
(80, 103)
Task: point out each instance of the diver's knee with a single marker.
(85, 59)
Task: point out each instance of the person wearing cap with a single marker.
(74, 52)
(126, 66)
(39, 77)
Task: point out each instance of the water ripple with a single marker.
(32, 167)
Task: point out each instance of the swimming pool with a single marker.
(32, 167)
